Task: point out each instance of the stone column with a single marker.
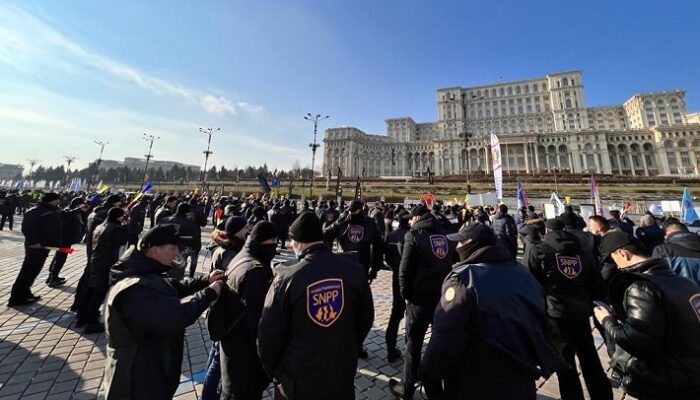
(535, 149)
(607, 168)
(693, 160)
(629, 156)
(662, 161)
(527, 158)
(644, 163)
(619, 164)
(679, 162)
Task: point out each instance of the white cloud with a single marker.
(26, 40)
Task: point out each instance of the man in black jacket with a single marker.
(190, 232)
(654, 323)
(571, 282)
(426, 260)
(146, 315)
(107, 239)
(394, 249)
(681, 250)
(96, 217)
(649, 233)
(249, 275)
(505, 230)
(230, 243)
(166, 210)
(41, 227)
(72, 231)
(490, 338)
(8, 205)
(317, 314)
(356, 232)
(137, 219)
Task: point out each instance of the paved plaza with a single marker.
(44, 356)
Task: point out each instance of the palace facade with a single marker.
(543, 125)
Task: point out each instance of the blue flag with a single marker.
(522, 197)
(689, 214)
(263, 183)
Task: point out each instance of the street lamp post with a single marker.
(151, 139)
(209, 132)
(69, 161)
(99, 160)
(315, 119)
(32, 163)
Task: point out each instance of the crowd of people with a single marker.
(497, 324)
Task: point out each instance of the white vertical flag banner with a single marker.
(497, 165)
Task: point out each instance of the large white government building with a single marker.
(543, 125)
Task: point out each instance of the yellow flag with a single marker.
(102, 189)
(567, 199)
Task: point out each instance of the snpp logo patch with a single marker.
(569, 266)
(695, 303)
(356, 233)
(438, 243)
(324, 301)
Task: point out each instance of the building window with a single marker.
(501, 91)
(517, 89)
(510, 90)
(568, 103)
(537, 108)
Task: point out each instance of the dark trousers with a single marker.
(573, 337)
(212, 379)
(81, 289)
(57, 263)
(10, 218)
(31, 267)
(418, 319)
(398, 309)
(90, 307)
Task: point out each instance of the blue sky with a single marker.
(84, 70)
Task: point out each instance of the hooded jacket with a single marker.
(682, 251)
(657, 336)
(490, 338)
(426, 260)
(566, 273)
(145, 316)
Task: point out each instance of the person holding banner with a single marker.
(72, 230)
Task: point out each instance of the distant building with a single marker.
(10, 171)
(543, 125)
(140, 163)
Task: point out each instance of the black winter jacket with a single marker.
(359, 233)
(190, 230)
(146, 315)
(506, 232)
(682, 251)
(250, 279)
(317, 313)
(42, 225)
(490, 338)
(658, 333)
(567, 274)
(426, 260)
(137, 218)
(650, 236)
(107, 239)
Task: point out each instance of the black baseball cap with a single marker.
(554, 224)
(475, 231)
(161, 235)
(306, 228)
(356, 207)
(615, 240)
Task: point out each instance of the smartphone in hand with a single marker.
(603, 305)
